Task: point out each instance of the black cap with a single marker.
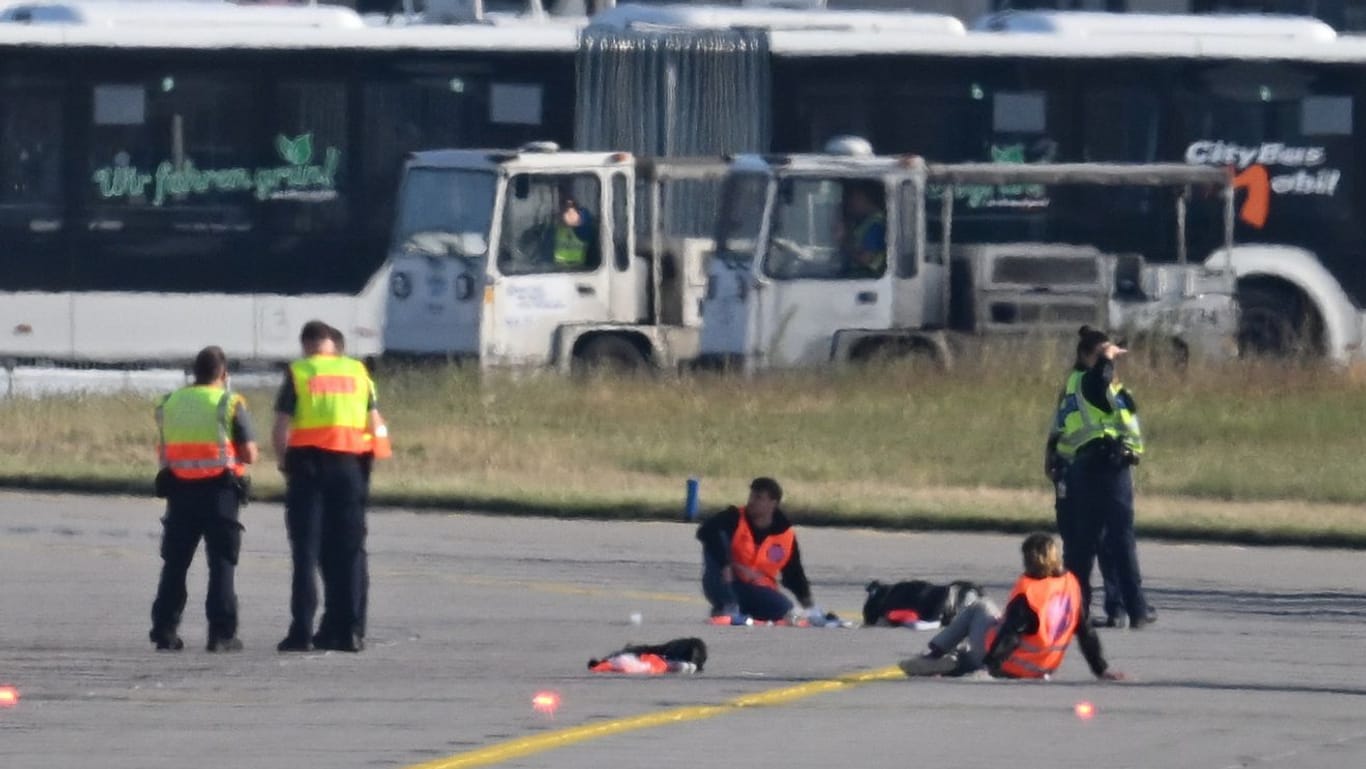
(1090, 339)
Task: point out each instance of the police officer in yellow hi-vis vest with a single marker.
(205, 443)
(1094, 442)
(326, 421)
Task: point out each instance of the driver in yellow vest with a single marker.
(864, 244)
(1044, 613)
(747, 552)
(574, 231)
(205, 443)
(324, 411)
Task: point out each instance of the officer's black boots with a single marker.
(166, 641)
(294, 643)
(347, 643)
(230, 644)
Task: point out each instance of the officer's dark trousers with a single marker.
(1114, 601)
(1114, 597)
(199, 509)
(325, 518)
(1099, 512)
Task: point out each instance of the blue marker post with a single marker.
(690, 506)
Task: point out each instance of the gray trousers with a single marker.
(967, 634)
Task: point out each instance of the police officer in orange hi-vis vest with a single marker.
(1044, 613)
(204, 443)
(746, 552)
(326, 421)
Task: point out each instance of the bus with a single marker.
(177, 174)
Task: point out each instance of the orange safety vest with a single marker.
(760, 563)
(634, 664)
(195, 427)
(333, 404)
(1057, 602)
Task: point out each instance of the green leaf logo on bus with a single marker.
(1018, 196)
(297, 151)
(297, 178)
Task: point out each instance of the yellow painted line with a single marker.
(561, 738)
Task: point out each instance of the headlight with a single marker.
(401, 285)
(464, 287)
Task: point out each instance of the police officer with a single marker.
(1094, 441)
(377, 447)
(205, 443)
(323, 412)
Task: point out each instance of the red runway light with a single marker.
(9, 696)
(1085, 710)
(546, 702)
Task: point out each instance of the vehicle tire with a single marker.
(1276, 322)
(609, 353)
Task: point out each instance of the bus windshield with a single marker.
(445, 212)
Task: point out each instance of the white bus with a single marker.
(175, 174)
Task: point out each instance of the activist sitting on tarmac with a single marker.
(744, 552)
(1044, 612)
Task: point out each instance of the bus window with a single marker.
(30, 154)
(1120, 125)
(315, 113)
(1287, 130)
(837, 109)
(172, 146)
(32, 224)
(404, 116)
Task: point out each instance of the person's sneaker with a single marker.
(927, 665)
(1117, 621)
(221, 645)
(1142, 622)
(294, 644)
(166, 642)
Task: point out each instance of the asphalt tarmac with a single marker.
(1255, 661)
